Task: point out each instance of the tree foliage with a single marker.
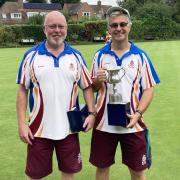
(137, 8)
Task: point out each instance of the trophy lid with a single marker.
(114, 69)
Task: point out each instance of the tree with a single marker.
(131, 5)
(171, 2)
(2, 2)
(137, 2)
(176, 15)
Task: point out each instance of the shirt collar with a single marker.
(43, 50)
(133, 49)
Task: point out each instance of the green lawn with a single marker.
(162, 117)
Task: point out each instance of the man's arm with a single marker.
(89, 99)
(145, 101)
(21, 106)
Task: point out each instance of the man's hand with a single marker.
(133, 119)
(101, 75)
(89, 122)
(25, 134)
(100, 78)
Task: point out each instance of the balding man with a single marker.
(51, 73)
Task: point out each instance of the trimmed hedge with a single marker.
(76, 32)
(164, 29)
(95, 28)
(18, 32)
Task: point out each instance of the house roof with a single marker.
(9, 7)
(102, 8)
(73, 8)
(45, 6)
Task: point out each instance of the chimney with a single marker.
(99, 3)
(20, 4)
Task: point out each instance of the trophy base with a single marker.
(115, 99)
(117, 114)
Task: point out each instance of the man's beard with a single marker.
(56, 43)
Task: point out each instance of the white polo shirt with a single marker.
(53, 88)
(139, 75)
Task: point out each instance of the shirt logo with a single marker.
(40, 66)
(71, 67)
(131, 64)
(106, 63)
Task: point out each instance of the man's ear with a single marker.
(43, 27)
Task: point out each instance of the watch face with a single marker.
(92, 113)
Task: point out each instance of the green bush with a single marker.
(33, 31)
(25, 32)
(136, 30)
(95, 28)
(35, 20)
(6, 35)
(3, 35)
(76, 32)
(160, 27)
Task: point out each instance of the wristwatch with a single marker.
(139, 111)
(92, 113)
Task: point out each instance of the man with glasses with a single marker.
(136, 88)
(51, 73)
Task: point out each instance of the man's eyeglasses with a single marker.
(115, 25)
(55, 26)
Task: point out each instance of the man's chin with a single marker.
(119, 39)
(56, 44)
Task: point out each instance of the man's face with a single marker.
(119, 28)
(55, 29)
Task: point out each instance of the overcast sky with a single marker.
(103, 2)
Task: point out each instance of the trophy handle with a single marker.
(114, 88)
(124, 72)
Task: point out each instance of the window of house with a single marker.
(43, 13)
(4, 16)
(16, 16)
(31, 14)
(88, 14)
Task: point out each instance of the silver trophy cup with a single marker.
(114, 77)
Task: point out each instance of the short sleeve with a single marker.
(149, 75)
(85, 78)
(94, 67)
(23, 76)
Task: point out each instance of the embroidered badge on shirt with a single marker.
(40, 66)
(131, 64)
(71, 67)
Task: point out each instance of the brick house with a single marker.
(78, 10)
(18, 12)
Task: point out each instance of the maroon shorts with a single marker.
(133, 147)
(39, 156)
